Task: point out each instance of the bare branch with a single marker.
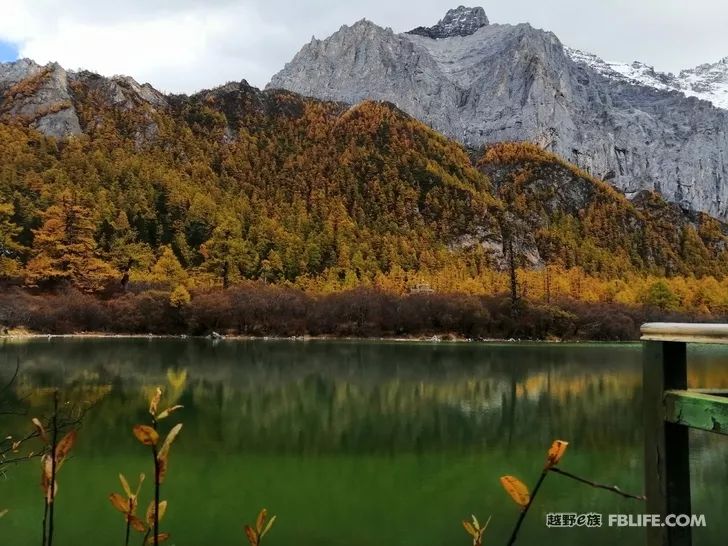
(611, 488)
(13, 378)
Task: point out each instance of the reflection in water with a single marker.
(372, 432)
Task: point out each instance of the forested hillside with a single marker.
(565, 216)
(237, 185)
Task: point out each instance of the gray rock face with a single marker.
(505, 82)
(122, 92)
(42, 96)
(461, 21)
(39, 96)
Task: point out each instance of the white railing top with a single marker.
(686, 332)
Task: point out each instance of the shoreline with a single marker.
(438, 338)
(276, 312)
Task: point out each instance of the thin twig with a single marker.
(7, 386)
(45, 517)
(53, 468)
(128, 524)
(61, 423)
(14, 376)
(12, 412)
(612, 488)
(10, 442)
(514, 534)
(156, 488)
(23, 459)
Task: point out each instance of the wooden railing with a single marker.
(670, 410)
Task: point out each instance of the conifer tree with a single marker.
(227, 255)
(10, 250)
(167, 269)
(126, 252)
(65, 249)
(272, 267)
(659, 295)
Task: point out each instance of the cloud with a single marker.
(186, 45)
(184, 49)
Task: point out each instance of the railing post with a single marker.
(667, 467)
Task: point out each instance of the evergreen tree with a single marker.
(65, 249)
(659, 295)
(10, 249)
(227, 255)
(272, 267)
(167, 269)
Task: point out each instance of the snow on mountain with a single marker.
(708, 82)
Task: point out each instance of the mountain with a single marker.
(232, 183)
(559, 214)
(103, 178)
(708, 82)
(43, 96)
(457, 22)
(482, 83)
(39, 96)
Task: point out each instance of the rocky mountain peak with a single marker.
(481, 83)
(38, 96)
(707, 82)
(45, 97)
(460, 21)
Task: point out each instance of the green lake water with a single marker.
(349, 443)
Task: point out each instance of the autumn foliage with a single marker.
(158, 212)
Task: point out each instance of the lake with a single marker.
(349, 443)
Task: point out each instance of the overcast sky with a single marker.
(186, 45)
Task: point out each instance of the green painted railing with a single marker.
(670, 411)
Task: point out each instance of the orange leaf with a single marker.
(167, 412)
(125, 486)
(170, 439)
(146, 435)
(162, 465)
(154, 402)
(470, 529)
(252, 535)
(119, 502)
(162, 509)
(558, 448)
(45, 479)
(41, 431)
(64, 447)
(516, 489)
(161, 537)
(137, 524)
(47, 465)
(163, 455)
(150, 511)
(260, 520)
(48, 495)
